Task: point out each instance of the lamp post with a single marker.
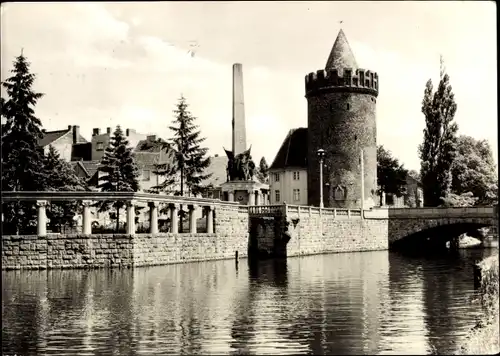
(362, 163)
(321, 156)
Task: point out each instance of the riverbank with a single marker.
(483, 339)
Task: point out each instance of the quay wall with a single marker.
(110, 250)
(302, 230)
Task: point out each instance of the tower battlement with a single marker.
(359, 80)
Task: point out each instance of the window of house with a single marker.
(277, 196)
(146, 175)
(100, 146)
(276, 177)
(296, 195)
(296, 175)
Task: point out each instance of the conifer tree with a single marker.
(119, 172)
(190, 159)
(22, 157)
(61, 177)
(438, 150)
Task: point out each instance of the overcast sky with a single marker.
(103, 64)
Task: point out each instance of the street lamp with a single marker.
(321, 156)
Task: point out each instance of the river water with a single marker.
(351, 303)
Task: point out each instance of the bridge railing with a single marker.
(266, 209)
(466, 212)
(286, 209)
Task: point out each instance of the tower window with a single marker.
(373, 99)
(348, 106)
(355, 137)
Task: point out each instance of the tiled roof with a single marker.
(75, 164)
(149, 146)
(51, 136)
(293, 151)
(341, 55)
(218, 169)
(149, 159)
(90, 166)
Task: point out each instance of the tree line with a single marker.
(456, 170)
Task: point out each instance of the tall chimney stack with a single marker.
(76, 134)
(239, 129)
(108, 130)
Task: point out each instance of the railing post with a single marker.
(153, 217)
(334, 213)
(210, 219)
(131, 217)
(86, 218)
(348, 213)
(192, 218)
(230, 195)
(174, 222)
(41, 217)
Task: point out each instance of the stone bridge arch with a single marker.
(438, 231)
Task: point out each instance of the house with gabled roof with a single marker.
(62, 141)
(288, 172)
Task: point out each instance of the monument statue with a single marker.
(240, 167)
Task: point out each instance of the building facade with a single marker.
(288, 172)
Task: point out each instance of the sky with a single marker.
(104, 64)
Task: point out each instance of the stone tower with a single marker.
(341, 120)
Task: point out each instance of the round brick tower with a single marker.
(341, 120)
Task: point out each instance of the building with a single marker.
(412, 198)
(63, 141)
(288, 172)
(217, 169)
(341, 121)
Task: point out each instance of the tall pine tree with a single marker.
(61, 177)
(22, 157)
(118, 172)
(438, 150)
(190, 161)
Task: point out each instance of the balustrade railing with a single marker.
(282, 209)
(130, 199)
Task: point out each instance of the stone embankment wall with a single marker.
(310, 230)
(95, 251)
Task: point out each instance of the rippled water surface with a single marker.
(353, 303)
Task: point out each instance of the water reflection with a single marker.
(357, 303)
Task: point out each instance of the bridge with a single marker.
(413, 226)
(406, 227)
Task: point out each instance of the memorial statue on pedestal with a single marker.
(240, 167)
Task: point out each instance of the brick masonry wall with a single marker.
(95, 251)
(263, 231)
(341, 123)
(69, 251)
(315, 233)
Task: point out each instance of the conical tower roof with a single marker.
(341, 55)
